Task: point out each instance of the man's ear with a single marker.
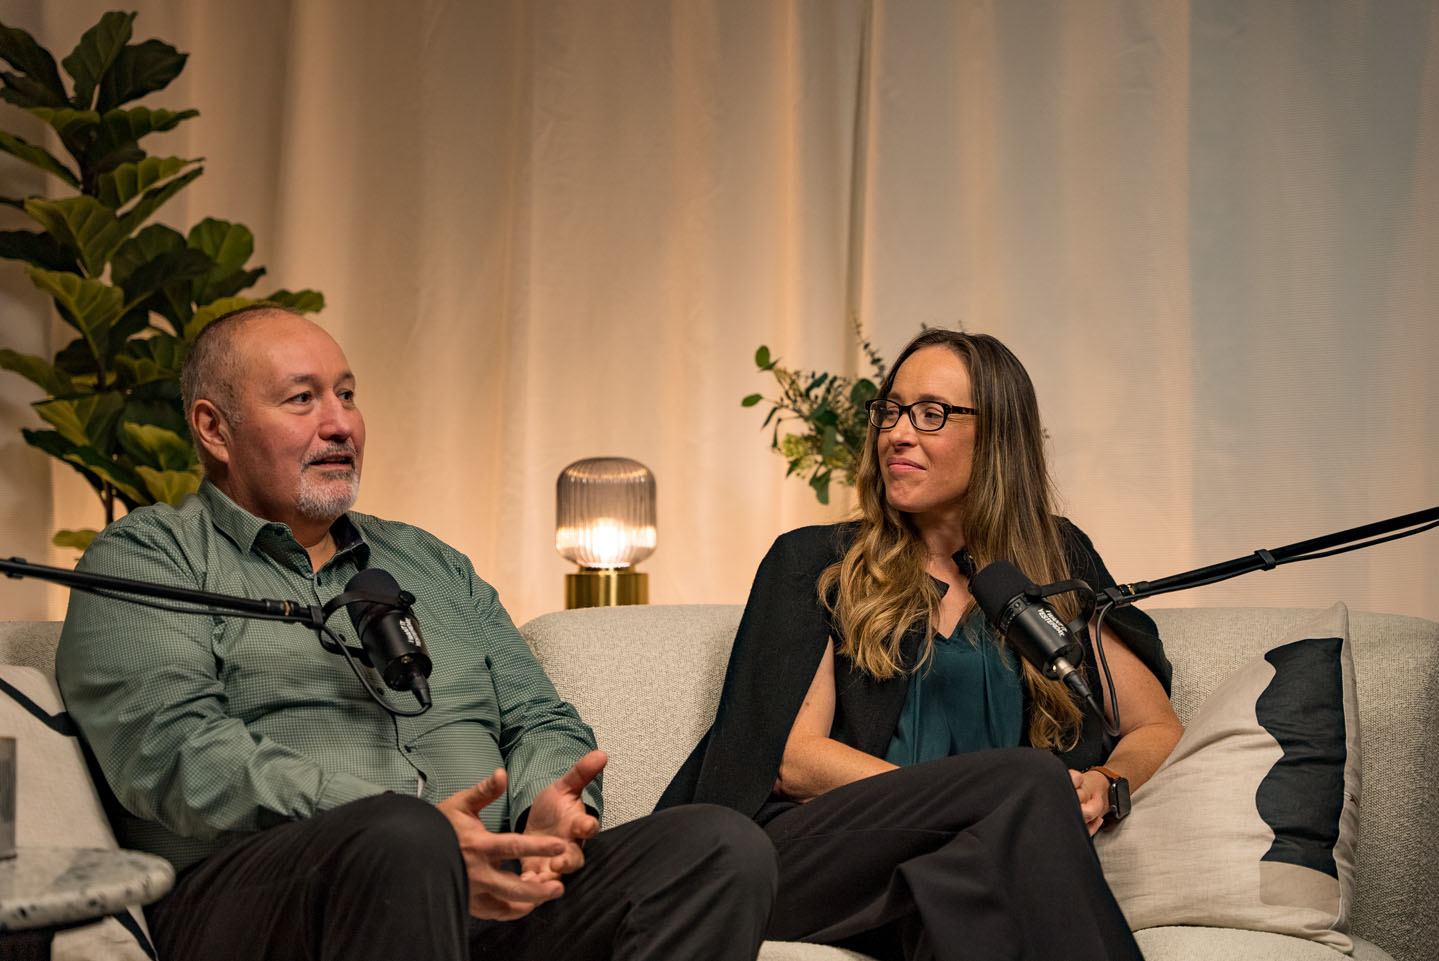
(211, 430)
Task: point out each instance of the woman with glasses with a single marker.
(930, 794)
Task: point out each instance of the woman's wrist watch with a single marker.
(1118, 794)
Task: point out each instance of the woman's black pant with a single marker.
(381, 879)
(978, 857)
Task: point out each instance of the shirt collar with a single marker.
(964, 562)
(273, 537)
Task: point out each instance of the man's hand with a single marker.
(495, 893)
(1093, 790)
(559, 812)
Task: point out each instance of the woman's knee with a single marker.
(724, 837)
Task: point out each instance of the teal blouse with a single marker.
(967, 698)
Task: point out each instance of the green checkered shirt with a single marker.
(212, 727)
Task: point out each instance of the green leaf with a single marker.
(162, 449)
(38, 248)
(170, 486)
(127, 181)
(127, 484)
(50, 442)
(78, 539)
(20, 50)
(88, 420)
(141, 249)
(39, 371)
(820, 483)
(216, 308)
(150, 359)
(761, 358)
(231, 286)
(139, 69)
(862, 392)
(751, 400)
(817, 382)
(229, 246)
(37, 156)
(826, 444)
(93, 307)
(769, 417)
(120, 130)
(167, 276)
(154, 198)
(82, 224)
(97, 49)
(301, 301)
(67, 121)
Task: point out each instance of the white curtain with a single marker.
(554, 229)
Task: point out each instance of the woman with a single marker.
(881, 734)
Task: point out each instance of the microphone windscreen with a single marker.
(994, 587)
(372, 580)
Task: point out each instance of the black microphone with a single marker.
(1012, 603)
(390, 634)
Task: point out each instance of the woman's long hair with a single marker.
(880, 587)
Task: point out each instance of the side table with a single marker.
(44, 890)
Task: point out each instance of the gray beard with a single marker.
(327, 502)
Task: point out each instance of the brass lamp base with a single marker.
(606, 588)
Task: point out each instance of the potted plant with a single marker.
(136, 293)
(829, 409)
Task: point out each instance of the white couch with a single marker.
(647, 679)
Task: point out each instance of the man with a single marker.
(306, 821)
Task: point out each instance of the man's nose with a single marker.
(338, 420)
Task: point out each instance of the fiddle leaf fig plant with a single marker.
(135, 293)
(829, 411)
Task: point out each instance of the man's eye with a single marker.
(301, 398)
(348, 396)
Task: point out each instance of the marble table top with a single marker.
(46, 887)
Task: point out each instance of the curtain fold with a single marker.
(558, 229)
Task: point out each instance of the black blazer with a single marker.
(778, 647)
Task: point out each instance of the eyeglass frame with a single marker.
(908, 410)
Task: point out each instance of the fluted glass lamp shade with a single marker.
(605, 523)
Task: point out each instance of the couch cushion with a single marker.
(647, 679)
(1181, 943)
(57, 806)
(1251, 822)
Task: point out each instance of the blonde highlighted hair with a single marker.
(880, 587)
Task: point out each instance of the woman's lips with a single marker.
(901, 466)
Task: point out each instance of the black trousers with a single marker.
(978, 857)
(382, 878)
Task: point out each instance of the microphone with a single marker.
(1012, 604)
(389, 632)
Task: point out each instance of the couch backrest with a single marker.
(31, 643)
(647, 680)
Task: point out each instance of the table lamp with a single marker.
(605, 523)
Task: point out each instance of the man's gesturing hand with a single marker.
(559, 812)
(495, 893)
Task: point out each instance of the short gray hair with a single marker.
(212, 368)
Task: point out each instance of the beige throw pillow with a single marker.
(1251, 822)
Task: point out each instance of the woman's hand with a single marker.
(1093, 790)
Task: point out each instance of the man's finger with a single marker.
(512, 847)
(475, 799)
(511, 887)
(585, 770)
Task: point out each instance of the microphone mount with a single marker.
(147, 594)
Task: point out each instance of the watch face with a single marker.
(1118, 798)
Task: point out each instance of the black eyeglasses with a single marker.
(923, 414)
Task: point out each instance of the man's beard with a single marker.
(326, 500)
